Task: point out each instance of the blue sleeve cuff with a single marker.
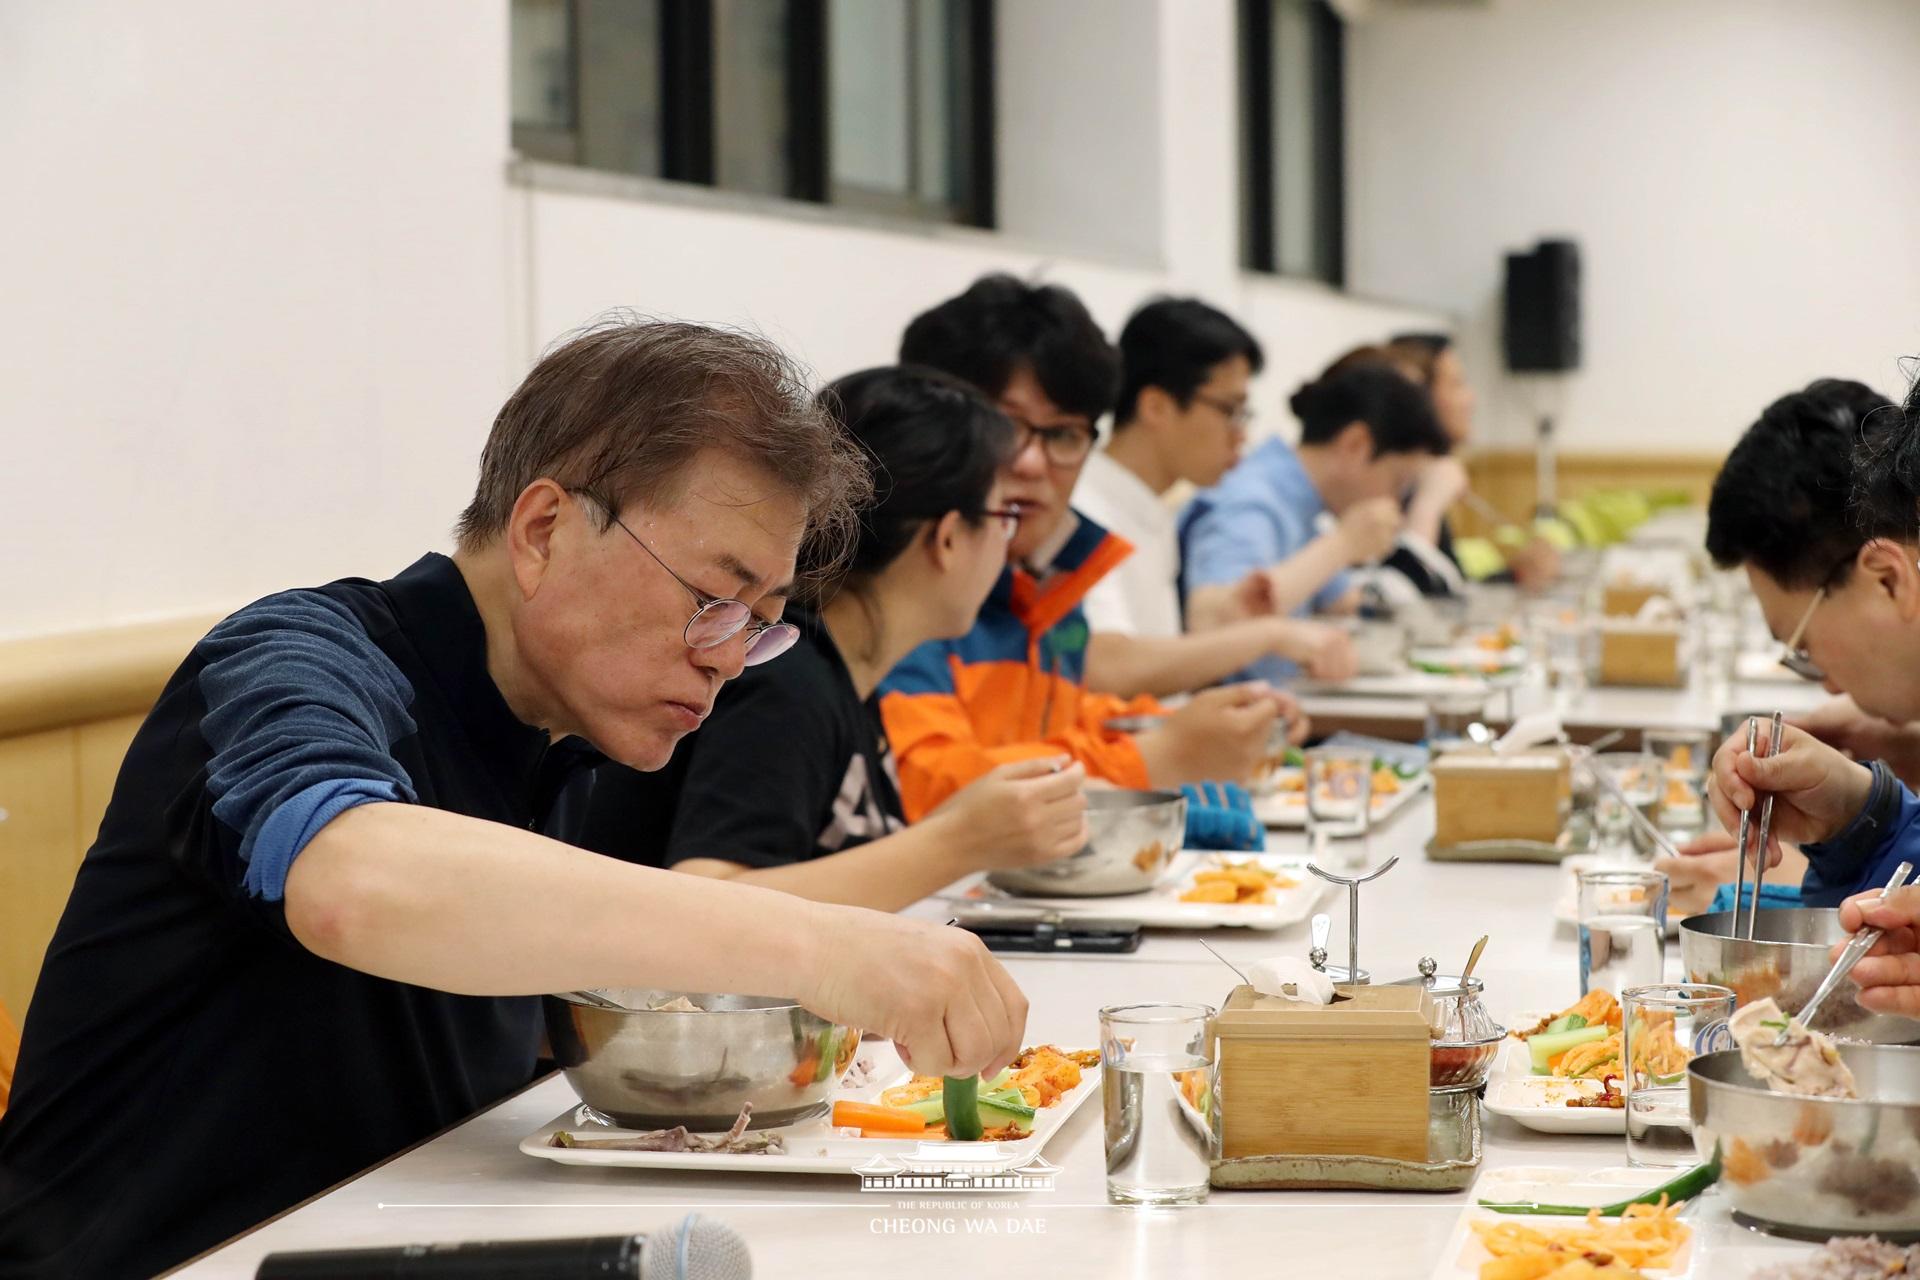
(1839, 867)
(297, 820)
(1771, 895)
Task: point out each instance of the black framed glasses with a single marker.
(1237, 412)
(717, 619)
(1063, 446)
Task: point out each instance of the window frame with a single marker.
(688, 82)
(1259, 217)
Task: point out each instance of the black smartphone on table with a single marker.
(1051, 935)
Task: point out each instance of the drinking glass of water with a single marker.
(1160, 1086)
(1664, 1026)
(1623, 928)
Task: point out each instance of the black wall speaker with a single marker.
(1542, 330)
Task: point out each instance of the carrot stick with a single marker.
(866, 1116)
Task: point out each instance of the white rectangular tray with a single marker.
(1288, 809)
(1539, 1102)
(815, 1147)
(1160, 907)
(1464, 1253)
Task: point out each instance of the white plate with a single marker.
(814, 1146)
(1468, 661)
(1160, 907)
(1540, 1102)
(1288, 809)
(1464, 1253)
(1402, 684)
(1566, 908)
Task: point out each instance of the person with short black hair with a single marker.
(1846, 601)
(1186, 370)
(316, 920)
(1013, 687)
(1291, 521)
(789, 783)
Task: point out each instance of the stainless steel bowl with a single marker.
(650, 1068)
(1790, 952)
(1816, 1167)
(1132, 839)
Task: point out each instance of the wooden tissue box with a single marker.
(1633, 653)
(1347, 1078)
(1481, 796)
(1625, 599)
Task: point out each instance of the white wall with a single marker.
(254, 266)
(267, 278)
(1738, 172)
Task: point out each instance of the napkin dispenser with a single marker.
(1347, 1078)
(1625, 598)
(1481, 796)
(1641, 653)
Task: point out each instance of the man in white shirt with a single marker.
(1182, 415)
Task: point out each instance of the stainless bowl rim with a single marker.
(1752, 1090)
(781, 1004)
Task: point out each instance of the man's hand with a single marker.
(1368, 529)
(1020, 815)
(1692, 879)
(935, 992)
(1817, 791)
(1841, 724)
(1324, 652)
(1221, 735)
(1889, 977)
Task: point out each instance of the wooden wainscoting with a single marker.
(1505, 477)
(69, 705)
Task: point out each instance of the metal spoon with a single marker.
(1223, 960)
(1466, 975)
(1862, 943)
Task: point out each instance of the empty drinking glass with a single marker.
(1339, 794)
(1159, 1084)
(1664, 1026)
(1623, 928)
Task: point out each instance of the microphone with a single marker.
(695, 1249)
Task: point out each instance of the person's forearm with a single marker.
(1162, 666)
(885, 875)
(1292, 584)
(458, 904)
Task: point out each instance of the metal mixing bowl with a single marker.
(1816, 1167)
(652, 1068)
(1790, 953)
(1132, 839)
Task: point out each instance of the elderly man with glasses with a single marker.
(315, 922)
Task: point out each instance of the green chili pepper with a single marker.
(1683, 1187)
(960, 1099)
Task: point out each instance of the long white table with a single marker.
(472, 1183)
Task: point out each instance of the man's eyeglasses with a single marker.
(1796, 659)
(1063, 446)
(1238, 413)
(718, 620)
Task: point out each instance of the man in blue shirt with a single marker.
(1857, 620)
(1278, 533)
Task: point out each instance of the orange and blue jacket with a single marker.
(1013, 687)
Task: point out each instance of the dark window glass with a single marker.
(1292, 127)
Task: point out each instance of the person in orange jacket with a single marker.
(1013, 688)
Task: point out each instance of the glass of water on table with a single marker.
(1664, 1026)
(1158, 1082)
(1623, 928)
(1339, 795)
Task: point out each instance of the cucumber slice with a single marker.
(1548, 1045)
